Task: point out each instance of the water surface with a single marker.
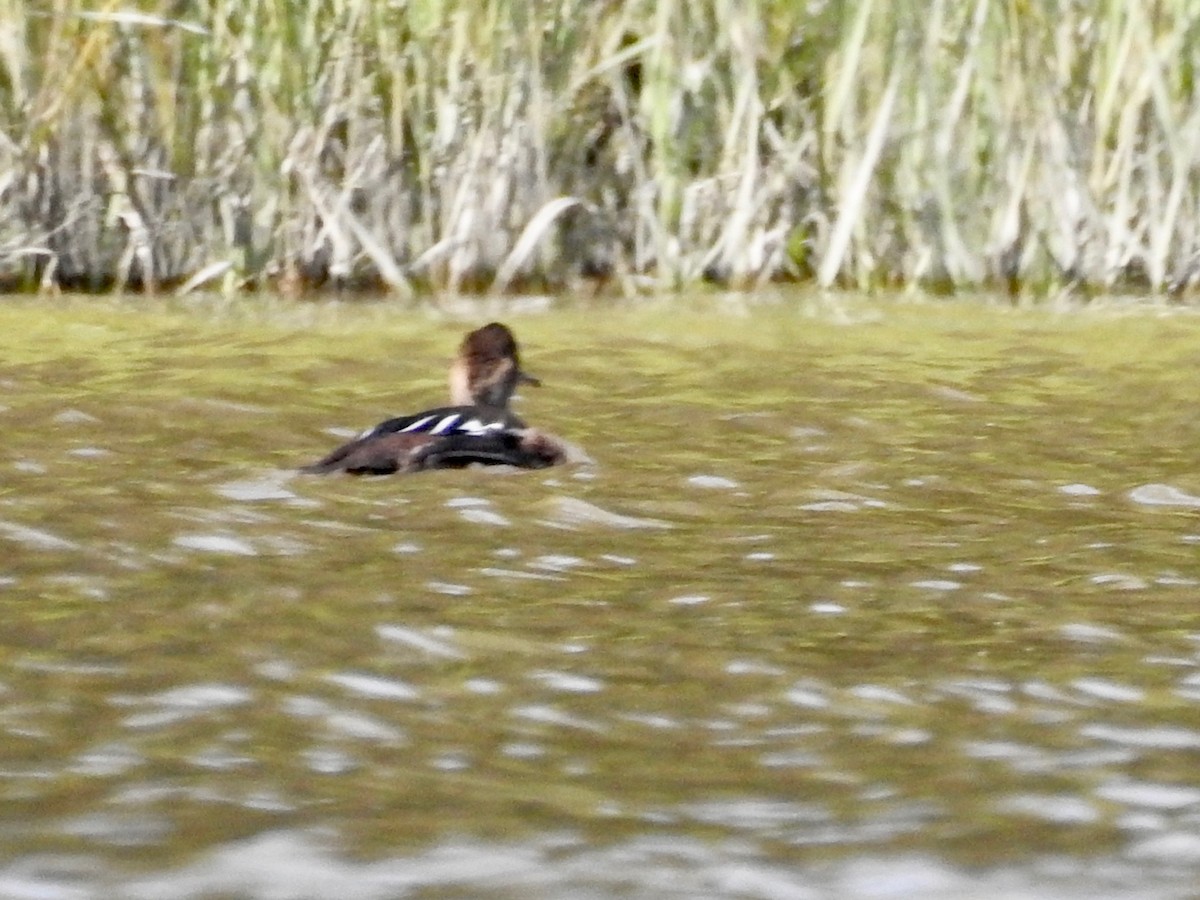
(870, 601)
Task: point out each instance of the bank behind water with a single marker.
(493, 144)
(859, 600)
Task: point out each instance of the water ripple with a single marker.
(373, 686)
(1163, 495)
(1160, 738)
(1150, 795)
(419, 640)
(712, 482)
(35, 538)
(215, 543)
(570, 512)
(568, 682)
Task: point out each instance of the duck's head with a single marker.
(487, 369)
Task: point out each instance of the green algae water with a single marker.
(874, 600)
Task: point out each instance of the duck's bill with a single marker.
(526, 378)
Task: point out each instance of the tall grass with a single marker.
(640, 144)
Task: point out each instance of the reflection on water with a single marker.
(901, 608)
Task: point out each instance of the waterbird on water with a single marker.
(476, 429)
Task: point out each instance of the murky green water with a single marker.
(877, 601)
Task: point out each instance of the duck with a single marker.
(477, 428)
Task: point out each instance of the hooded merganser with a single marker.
(478, 429)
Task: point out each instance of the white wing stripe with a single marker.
(417, 425)
(476, 426)
(454, 423)
(446, 425)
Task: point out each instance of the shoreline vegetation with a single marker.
(629, 146)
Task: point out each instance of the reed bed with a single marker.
(632, 145)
